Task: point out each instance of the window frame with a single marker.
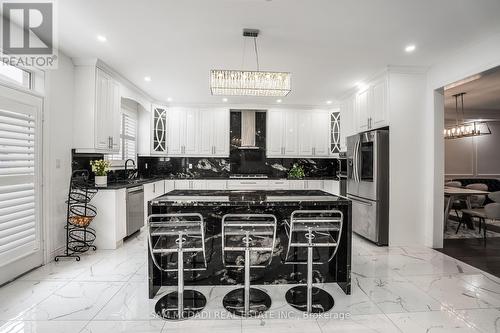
(119, 163)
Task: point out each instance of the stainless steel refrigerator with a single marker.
(368, 184)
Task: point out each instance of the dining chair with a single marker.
(457, 204)
(491, 212)
(477, 201)
(494, 196)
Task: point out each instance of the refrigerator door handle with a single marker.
(361, 201)
(356, 161)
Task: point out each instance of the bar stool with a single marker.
(171, 234)
(312, 229)
(252, 234)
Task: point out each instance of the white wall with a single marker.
(57, 129)
(475, 58)
(407, 104)
(475, 157)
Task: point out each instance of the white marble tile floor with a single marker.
(394, 289)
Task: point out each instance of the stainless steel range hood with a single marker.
(248, 130)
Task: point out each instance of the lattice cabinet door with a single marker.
(159, 142)
(335, 132)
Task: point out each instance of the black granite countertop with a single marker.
(246, 197)
(121, 184)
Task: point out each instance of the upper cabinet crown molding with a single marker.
(127, 88)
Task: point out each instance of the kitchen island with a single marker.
(213, 204)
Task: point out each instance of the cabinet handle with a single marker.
(154, 188)
(248, 183)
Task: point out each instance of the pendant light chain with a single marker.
(256, 52)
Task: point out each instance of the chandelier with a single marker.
(465, 129)
(250, 83)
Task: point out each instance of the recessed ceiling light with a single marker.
(169, 99)
(147, 78)
(102, 38)
(410, 48)
(224, 99)
(361, 85)
(329, 102)
(279, 101)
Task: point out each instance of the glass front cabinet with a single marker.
(159, 141)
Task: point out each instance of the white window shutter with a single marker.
(18, 202)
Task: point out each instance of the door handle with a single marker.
(358, 200)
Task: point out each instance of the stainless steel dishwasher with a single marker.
(135, 209)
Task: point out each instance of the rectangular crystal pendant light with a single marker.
(249, 83)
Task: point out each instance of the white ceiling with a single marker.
(328, 45)
(481, 99)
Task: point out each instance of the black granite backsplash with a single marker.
(175, 167)
(178, 167)
(81, 161)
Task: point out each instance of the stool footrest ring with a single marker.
(193, 301)
(234, 302)
(321, 300)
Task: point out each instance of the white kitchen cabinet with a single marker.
(348, 122)
(274, 133)
(331, 186)
(220, 132)
(96, 123)
(371, 105)
(190, 184)
(159, 130)
(169, 185)
(361, 107)
(198, 132)
(378, 103)
(214, 133)
(290, 134)
(216, 184)
(282, 133)
(243, 184)
(306, 140)
(320, 133)
(294, 133)
(281, 184)
(176, 131)
(154, 190)
(297, 184)
(110, 222)
(314, 184)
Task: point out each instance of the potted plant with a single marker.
(100, 168)
(296, 172)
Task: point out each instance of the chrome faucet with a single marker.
(126, 164)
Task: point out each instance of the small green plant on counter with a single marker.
(297, 172)
(100, 167)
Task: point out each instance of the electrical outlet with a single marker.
(190, 166)
(58, 163)
(145, 166)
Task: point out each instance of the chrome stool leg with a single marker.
(309, 298)
(181, 304)
(247, 301)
